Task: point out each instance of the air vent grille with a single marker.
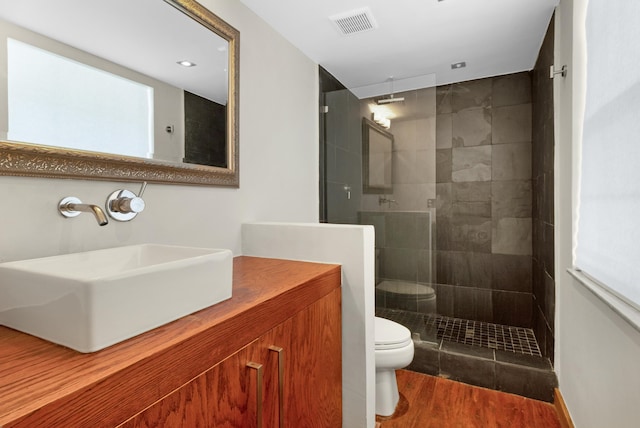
(354, 21)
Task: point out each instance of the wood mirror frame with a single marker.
(33, 160)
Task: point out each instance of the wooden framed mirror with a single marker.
(139, 43)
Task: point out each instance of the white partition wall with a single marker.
(352, 247)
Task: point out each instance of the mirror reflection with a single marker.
(137, 79)
(377, 153)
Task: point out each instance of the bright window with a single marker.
(57, 101)
(608, 244)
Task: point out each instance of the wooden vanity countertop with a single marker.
(43, 384)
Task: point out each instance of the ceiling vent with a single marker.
(354, 21)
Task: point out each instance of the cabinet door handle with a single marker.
(280, 352)
(258, 368)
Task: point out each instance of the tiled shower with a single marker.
(470, 216)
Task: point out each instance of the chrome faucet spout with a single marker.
(72, 207)
(90, 208)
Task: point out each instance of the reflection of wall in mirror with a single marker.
(167, 104)
(380, 160)
(205, 125)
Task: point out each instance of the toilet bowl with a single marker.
(394, 350)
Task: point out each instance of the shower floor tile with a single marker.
(519, 340)
(435, 328)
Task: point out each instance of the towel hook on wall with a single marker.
(562, 71)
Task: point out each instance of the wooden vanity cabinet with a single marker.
(303, 353)
(193, 372)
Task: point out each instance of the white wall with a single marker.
(352, 247)
(278, 167)
(597, 352)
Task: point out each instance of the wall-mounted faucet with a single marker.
(73, 207)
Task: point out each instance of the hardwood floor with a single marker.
(430, 402)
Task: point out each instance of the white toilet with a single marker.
(394, 350)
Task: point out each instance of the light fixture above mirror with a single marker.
(182, 165)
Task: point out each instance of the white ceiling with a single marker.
(417, 39)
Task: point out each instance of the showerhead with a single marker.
(390, 100)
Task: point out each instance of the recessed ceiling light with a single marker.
(187, 63)
(457, 65)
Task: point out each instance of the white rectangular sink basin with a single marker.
(90, 300)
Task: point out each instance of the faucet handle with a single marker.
(142, 189)
(127, 202)
(124, 205)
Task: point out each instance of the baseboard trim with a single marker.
(561, 409)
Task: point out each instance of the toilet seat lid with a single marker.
(390, 334)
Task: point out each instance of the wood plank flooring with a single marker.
(430, 402)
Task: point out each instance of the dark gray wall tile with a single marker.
(471, 191)
(533, 361)
(471, 127)
(464, 268)
(473, 303)
(471, 233)
(337, 123)
(548, 250)
(510, 162)
(443, 99)
(543, 166)
(443, 165)
(471, 370)
(550, 345)
(471, 199)
(424, 229)
(471, 164)
(444, 234)
(469, 350)
(511, 198)
(399, 263)
(511, 273)
(471, 94)
(529, 382)
(512, 308)
(476, 209)
(444, 299)
(512, 89)
(537, 281)
(549, 300)
(443, 199)
(377, 220)
(425, 267)
(426, 358)
(444, 136)
(511, 236)
(489, 189)
(540, 328)
(548, 204)
(512, 124)
(401, 230)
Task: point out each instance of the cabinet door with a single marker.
(224, 396)
(311, 345)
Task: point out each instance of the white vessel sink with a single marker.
(90, 300)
